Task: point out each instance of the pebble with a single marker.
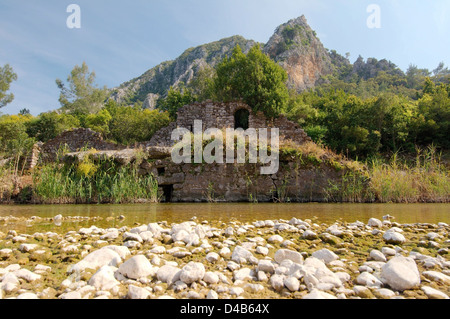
(273, 259)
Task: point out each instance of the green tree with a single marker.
(81, 95)
(7, 76)
(254, 78)
(49, 125)
(175, 99)
(99, 122)
(14, 141)
(130, 125)
(202, 85)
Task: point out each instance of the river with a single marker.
(110, 215)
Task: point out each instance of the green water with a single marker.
(245, 212)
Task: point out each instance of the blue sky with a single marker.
(120, 40)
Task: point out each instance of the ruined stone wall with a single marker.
(221, 116)
(75, 140)
(241, 182)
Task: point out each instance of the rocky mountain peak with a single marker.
(296, 47)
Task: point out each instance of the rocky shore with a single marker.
(293, 259)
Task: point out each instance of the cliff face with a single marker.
(297, 49)
(157, 81)
(294, 46)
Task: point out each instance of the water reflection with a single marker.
(246, 212)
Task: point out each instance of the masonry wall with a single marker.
(241, 182)
(75, 140)
(221, 116)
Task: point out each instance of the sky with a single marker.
(120, 40)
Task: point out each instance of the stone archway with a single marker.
(241, 119)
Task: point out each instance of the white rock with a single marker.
(309, 234)
(132, 236)
(9, 283)
(277, 282)
(232, 265)
(225, 252)
(387, 251)
(229, 231)
(385, 293)
(373, 222)
(292, 283)
(243, 274)
(241, 255)
(266, 266)
(137, 267)
(262, 250)
(147, 236)
(122, 251)
(377, 255)
(27, 275)
(326, 255)
(400, 273)
(135, 292)
(236, 291)
(261, 276)
(212, 257)
(293, 255)
(192, 272)
(393, 237)
(168, 274)
(5, 253)
(104, 278)
(27, 295)
(255, 288)
(71, 295)
(437, 276)
(343, 276)
(275, 239)
(434, 293)
(211, 278)
(97, 259)
(317, 294)
(25, 248)
(158, 250)
(212, 295)
(334, 230)
(368, 280)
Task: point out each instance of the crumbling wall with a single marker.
(74, 141)
(221, 116)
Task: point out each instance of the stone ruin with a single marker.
(209, 182)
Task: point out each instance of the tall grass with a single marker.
(88, 182)
(424, 180)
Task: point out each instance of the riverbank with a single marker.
(197, 259)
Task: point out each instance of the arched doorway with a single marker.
(241, 119)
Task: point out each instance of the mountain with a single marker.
(157, 81)
(294, 45)
(297, 49)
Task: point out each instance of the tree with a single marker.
(175, 99)
(254, 78)
(51, 124)
(130, 125)
(7, 76)
(99, 121)
(14, 141)
(82, 95)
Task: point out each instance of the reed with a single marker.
(88, 182)
(426, 179)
